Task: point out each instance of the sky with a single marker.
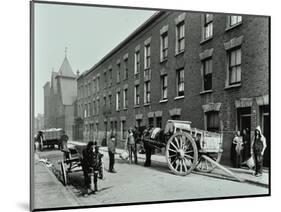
(89, 33)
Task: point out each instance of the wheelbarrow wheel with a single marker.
(181, 153)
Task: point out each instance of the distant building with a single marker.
(59, 97)
(210, 69)
(39, 122)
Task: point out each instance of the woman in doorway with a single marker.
(258, 146)
(246, 144)
(238, 142)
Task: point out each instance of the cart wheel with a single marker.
(64, 174)
(205, 166)
(181, 153)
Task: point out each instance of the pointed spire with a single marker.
(65, 51)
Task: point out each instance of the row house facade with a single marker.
(210, 69)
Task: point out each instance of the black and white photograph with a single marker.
(136, 105)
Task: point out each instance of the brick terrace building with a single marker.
(210, 69)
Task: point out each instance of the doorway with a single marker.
(265, 124)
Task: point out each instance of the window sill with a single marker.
(163, 101)
(125, 109)
(179, 97)
(163, 60)
(232, 86)
(146, 104)
(179, 53)
(136, 106)
(205, 92)
(206, 40)
(232, 27)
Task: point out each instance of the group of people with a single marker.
(92, 159)
(246, 149)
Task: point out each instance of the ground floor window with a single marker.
(213, 123)
(123, 129)
(159, 122)
(151, 122)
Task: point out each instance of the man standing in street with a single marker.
(111, 144)
(258, 147)
(131, 146)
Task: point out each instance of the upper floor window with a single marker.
(94, 86)
(164, 87)
(207, 74)
(164, 46)
(98, 106)
(104, 102)
(118, 72)
(118, 101)
(137, 62)
(233, 20)
(125, 98)
(147, 56)
(98, 84)
(137, 95)
(180, 33)
(208, 26)
(180, 82)
(234, 66)
(126, 72)
(105, 79)
(94, 107)
(110, 77)
(110, 101)
(147, 92)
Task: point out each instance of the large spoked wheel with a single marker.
(63, 173)
(205, 166)
(181, 154)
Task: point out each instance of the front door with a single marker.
(266, 133)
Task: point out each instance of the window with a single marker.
(137, 95)
(118, 72)
(110, 77)
(212, 121)
(110, 101)
(234, 20)
(147, 92)
(180, 82)
(159, 122)
(208, 26)
(125, 98)
(104, 102)
(94, 86)
(94, 107)
(89, 109)
(98, 106)
(180, 31)
(98, 84)
(207, 74)
(164, 87)
(234, 66)
(164, 46)
(147, 56)
(137, 63)
(126, 69)
(118, 101)
(123, 129)
(105, 79)
(151, 122)
(97, 130)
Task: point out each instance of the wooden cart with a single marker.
(187, 148)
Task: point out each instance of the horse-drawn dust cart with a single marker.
(186, 148)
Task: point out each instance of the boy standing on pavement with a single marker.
(258, 147)
(111, 144)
